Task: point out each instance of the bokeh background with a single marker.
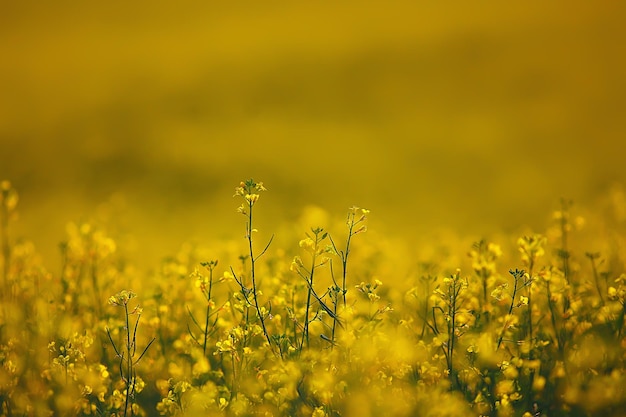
(474, 116)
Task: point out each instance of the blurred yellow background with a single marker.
(474, 116)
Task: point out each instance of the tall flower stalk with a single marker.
(451, 296)
(312, 245)
(127, 353)
(249, 190)
(355, 222)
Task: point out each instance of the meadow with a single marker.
(439, 231)
(528, 325)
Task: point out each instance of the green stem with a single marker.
(531, 265)
(516, 275)
(253, 274)
(305, 332)
(452, 313)
(344, 262)
(553, 318)
(208, 311)
(592, 258)
(129, 361)
(564, 252)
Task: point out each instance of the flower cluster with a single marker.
(249, 190)
(516, 326)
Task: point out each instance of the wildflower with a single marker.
(227, 277)
(484, 256)
(251, 198)
(498, 292)
(122, 298)
(240, 190)
(505, 388)
(360, 230)
(352, 221)
(539, 383)
(224, 346)
(222, 403)
(247, 189)
(307, 244)
(531, 247)
(510, 372)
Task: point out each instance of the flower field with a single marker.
(344, 321)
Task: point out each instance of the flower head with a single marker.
(122, 298)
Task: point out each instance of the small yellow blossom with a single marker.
(251, 198)
(307, 244)
(222, 403)
(122, 298)
(539, 383)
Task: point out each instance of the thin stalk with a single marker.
(334, 298)
(305, 332)
(553, 317)
(454, 293)
(531, 265)
(564, 252)
(343, 255)
(517, 274)
(248, 190)
(592, 258)
(253, 275)
(531, 377)
(484, 275)
(129, 362)
(352, 223)
(344, 263)
(208, 308)
(452, 315)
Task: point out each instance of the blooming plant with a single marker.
(127, 355)
(326, 325)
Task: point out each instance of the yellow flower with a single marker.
(251, 198)
(498, 292)
(122, 298)
(531, 247)
(539, 383)
(494, 250)
(510, 372)
(505, 388)
(373, 297)
(296, 263)
(361, 230)
(224, 346)
(307, 244)
(222, 403)
(240, 190)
